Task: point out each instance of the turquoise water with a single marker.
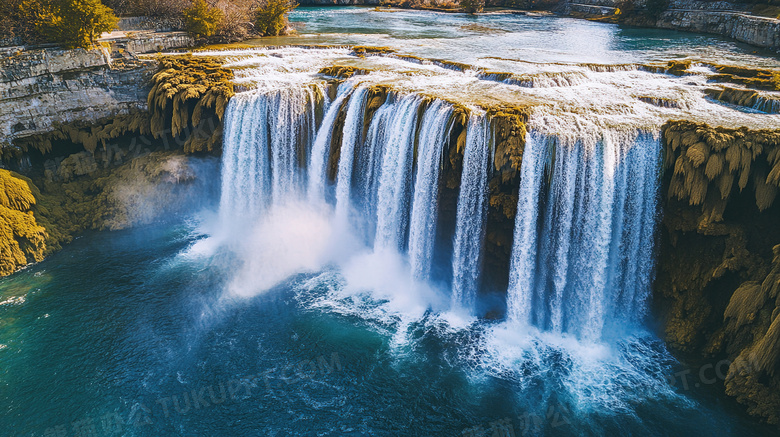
(118, 328)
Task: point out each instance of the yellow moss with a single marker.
(22, 240)
(753, 320)
(678, 67)
(182, 90)
(509, 131)
(366, 50)
(342, 71)
(87, 134)
(756, 78)
(747, 152)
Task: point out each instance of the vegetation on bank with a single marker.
(22, 240)
(71, 23)
(187, 92)
(709, 164)
(472, 6)
(79, 23)
(100, 186)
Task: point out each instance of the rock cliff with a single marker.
(43, 88)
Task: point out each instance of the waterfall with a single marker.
(245, 173)
(353, 127)
(394, 180)
(523, 261)
(369, 168)
(592, 262)
(422, 229)
(280, 121)
(321, 146)
(470, 219)
(582, 255)
(289, 123)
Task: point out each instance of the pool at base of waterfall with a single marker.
(137, 333)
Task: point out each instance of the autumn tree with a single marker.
(202, 20)
(72, 23)
(271, 16)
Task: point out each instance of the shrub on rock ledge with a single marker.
(271, 16)
(72, 23)
(201, 20)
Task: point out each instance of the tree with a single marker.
(72, 23)
(271, 16)
(201, 20)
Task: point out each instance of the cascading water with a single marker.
(266, 133)
(583, 254)
(470, 224)
(370, 167)
(395, 178)
(321, 145)
(353, 125)
(433, 133)
(255, 314)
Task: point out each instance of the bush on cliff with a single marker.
(271, 16)
(72, 23)
(202, 20)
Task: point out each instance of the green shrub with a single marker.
(72, 23)
(271, 16)
(201, 20)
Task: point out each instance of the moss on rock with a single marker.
(342, 71)
(22, 239)
(185, 93)
(709, 164)
(718, 282)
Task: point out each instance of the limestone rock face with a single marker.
(44, 87)
(758, 31)
(729, 19)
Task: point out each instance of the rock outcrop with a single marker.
(43, 88)
(717, 291)
(732, 20)
(758, 31)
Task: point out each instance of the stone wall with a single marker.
(42, 87)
